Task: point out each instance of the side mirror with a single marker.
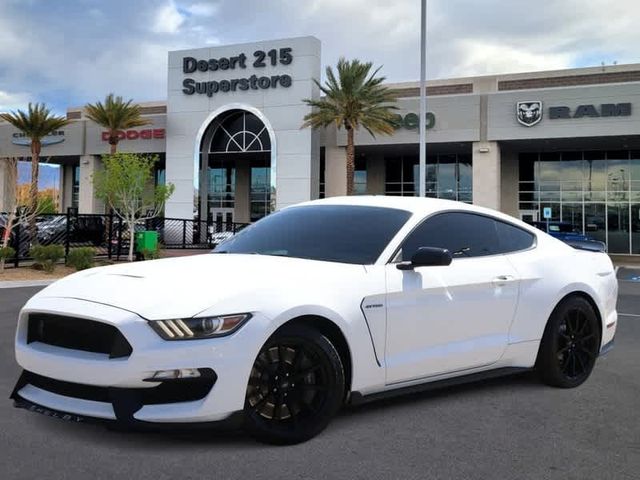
(427, 257)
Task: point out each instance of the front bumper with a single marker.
(93, 403)
(93, 386)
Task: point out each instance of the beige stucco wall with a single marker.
(509, 182)
(486, 174)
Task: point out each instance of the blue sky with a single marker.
(69, 52)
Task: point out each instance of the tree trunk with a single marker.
(132, 239)
(1, 265)
(350, 160)
(113, 141)
(36, 147)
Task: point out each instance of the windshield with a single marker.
(333, 233)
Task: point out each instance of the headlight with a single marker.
(196, 328)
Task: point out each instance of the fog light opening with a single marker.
(162, 375)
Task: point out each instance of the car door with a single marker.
(450, 318)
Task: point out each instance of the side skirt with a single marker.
(358, 398)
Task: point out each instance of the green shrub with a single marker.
(151, 254)
(46, 256)
(6, 252)
(81, 258)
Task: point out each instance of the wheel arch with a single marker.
(582, 294)
(594, 305)
(336, 336)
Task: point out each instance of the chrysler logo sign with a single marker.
(529, 113)
(20, 138)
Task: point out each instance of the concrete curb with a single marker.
(27, 283)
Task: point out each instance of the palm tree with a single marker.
(356, 98)
(36, 123)
(115, 114)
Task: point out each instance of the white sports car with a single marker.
(327, 302)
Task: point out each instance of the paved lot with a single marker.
(511, 428)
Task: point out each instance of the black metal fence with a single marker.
(109, 235)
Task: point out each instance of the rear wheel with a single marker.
(296, 386)
(570, 344)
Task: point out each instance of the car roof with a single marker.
(419, 205)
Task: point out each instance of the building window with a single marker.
(597, 192)
(447, 176)
(75, 188)
(360, 175)
(260, 192)
(239, 151)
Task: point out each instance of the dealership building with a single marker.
(229, 138)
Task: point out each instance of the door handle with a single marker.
(501, 280)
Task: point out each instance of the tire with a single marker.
(570, 344)
(296, 386)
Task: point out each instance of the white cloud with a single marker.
(202, 9)
(482, 58)
(78, 50)
(12, 101)
(167, 19)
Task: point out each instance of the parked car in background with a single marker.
(569, 234)
(82, 230)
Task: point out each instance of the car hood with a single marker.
(184, 287)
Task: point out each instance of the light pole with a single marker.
(423, 100)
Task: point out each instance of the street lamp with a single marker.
(423, 99)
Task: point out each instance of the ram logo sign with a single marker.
(529, 113)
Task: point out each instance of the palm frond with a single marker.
(353, 96)
(115, 113)
(37, 122)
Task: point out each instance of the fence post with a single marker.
(184, 234)
(66, 235)
(119, 238)
(109, 234)
(208, 236)
(16, 261)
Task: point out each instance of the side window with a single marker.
(513, 238)
(463, 234)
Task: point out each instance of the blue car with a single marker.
(566, 232)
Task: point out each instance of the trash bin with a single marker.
(147, 240)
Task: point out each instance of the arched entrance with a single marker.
(236, 168)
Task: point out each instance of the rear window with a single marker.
(513, 238)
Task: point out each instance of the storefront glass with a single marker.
(447, 176)
(239, 173)
(598, 192)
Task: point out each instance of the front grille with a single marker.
(170, 391)
(77, 334)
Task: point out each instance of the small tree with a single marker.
(115, 114)
(20, 211)
(127, 187)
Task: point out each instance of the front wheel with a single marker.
(296, 386)
(570, 344)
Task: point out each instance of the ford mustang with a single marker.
(326, 303)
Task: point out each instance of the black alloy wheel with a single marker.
(295, 387)
(570, 344)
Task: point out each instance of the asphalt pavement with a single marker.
(508, 428)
